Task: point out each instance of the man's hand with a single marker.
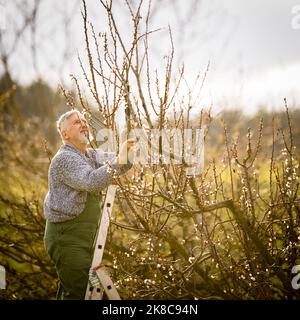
(126, 151)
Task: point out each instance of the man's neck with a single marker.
(82, 147)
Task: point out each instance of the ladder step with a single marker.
(107, 284)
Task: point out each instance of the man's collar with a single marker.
(70, 146)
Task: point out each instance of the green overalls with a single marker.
(70, 246)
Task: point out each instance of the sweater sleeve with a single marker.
(102, 157)
(78, 174)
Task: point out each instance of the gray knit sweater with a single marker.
(72, 175)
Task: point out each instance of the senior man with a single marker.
(72, 204)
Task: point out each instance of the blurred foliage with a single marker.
(27, 135)
(243, 249)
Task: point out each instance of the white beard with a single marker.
(83, 138)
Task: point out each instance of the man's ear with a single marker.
(65, 134)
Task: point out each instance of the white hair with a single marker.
(63, 118)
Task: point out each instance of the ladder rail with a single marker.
(94, 291)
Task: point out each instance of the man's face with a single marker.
(76, 129)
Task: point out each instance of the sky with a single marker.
(252, 47)
(254, 53)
